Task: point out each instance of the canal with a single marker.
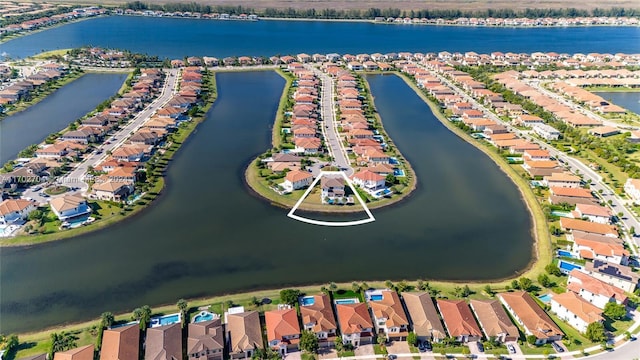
(628, 100)
(208, 235)
(55, 112)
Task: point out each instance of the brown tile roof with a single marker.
(531, 314)
(389, 308)
(320, 314)
(66, 202)
(244, 331)
(297, 175)
(579, 281)
(423, 314)
(578, 306)
(571, 192)
(81, 353)
(281, 323)
(121, 343)
(493, 318)
(458, 318)
(14, 205)
(587, 226)
(353, 318)
(164, 343)
(205, 336)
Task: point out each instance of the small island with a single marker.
(327, 122)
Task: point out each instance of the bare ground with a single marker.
(383, 4)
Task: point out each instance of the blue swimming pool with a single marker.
(398, 172)
(393, 161)
(307, 301)
(346, 301)
(165, 320)
(546, 298)
(566, 267)
(203, 316)
(565, 253)
(561, 213)
(376, 298)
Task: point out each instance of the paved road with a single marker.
(330, 124)
(77, 176)
(617, 204)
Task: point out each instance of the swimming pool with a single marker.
(165, 320)
(566, 214)
(307, 301)
(376, 298)
(346, 301)
(566, 267)
(393, 161)
(398, 172)
(203, 316)
(546, 298)
(565, 253)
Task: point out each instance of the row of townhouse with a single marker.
(513, 22)
(606, 276)
(21, 89)
(34, 24)
(186, 14)
(593, 101)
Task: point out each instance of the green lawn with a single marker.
(379, 350)
(347, 294)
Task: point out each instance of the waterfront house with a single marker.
(562, 179)
(144, 137)
(593, 290)
(129, 153)
(308, 146)
(296, 179)
(368, 180)
(355, 324)
(566, 192)
(206, 340)
(632, 189)
(494, 320)
(536, 155)
(570, 225)
(575, 310)
(80, 353)
(605, 248)
(539, 169)
(68, 207)
(244, 335)
(111, 190)
(318, 318)
(524, 310)
(459, 320)
(283, 329)
(613, 274)
(389, 317)
(594, 213)
(121, 343)
(164, 343)
(332, 189)
(423, 316)
(15, 210)
(53, 151)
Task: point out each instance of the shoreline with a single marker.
(44, 28)
(258, 190)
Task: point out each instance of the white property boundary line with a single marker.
(331, 223)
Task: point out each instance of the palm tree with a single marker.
(183, 306)
(106, 319)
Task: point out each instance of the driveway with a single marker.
(327, 353)
(398, 347)
(364, 350)
(516, 346)
(293, 355)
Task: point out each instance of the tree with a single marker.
(290, 296)
(143, 315)
(309, 342)
(515, 284)
(615, 311)
(391, 179)
(544, 280)
(356, 287)
(61, 342)
(525, 283)
(422, 285)
(389, 284)
(333, 286)
(552, 269)
(412, 339)
(35, 215)
(531, 339)
(256, 302)
(9, 344)
(183, 306)
(595, 332)
(402, 286)
(106, 319)
(489, 291)
(381, 339)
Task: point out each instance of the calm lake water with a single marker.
(55, 112)
(209, 235)
(176, 38)
(628, 100)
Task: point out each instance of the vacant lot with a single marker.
(383, 4)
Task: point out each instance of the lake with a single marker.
(176, 38)
(628, 100)
(209, 235)
(55, 112)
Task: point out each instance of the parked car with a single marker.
(37, 188)
(480, 346)
(557, 347)
(392, 356)
(511, 348)
(45, 195)
(427, 345)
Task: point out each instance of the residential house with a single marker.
(562, 179)
(423, 316)
(574, 194)
(121, 343)
(534, 320)
(332, 189)
(546, 132)
(389, 317)
(308, 146)
(632, 189)
(605, 248)
(283, 329)
(355, 324)
(69, 207)
(571, 225)
(164, 343)
(244, 335)
(459, 320)
(129, 153)
(593, 290)
(296, 179)
(368, 180)
(318, 318)
(575, 310)
(80, 353)
(540, 169)
(15, 210)
(206, 340)
(111, 190)
(494, 320)
(594, 213)
(613, 274)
